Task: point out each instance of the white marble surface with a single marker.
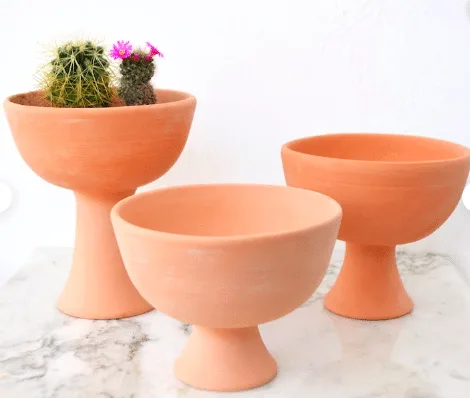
(44, 353)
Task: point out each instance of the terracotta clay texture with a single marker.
(103, 155)
(226, 258)
(393, 189)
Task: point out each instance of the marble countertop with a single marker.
(44, 353)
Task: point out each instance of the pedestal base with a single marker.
(225, 360)
(98, 286)
(369, 286)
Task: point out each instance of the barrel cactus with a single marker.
(137, 69)
(78, 76)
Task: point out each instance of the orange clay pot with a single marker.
(226, 258)
(393, 189)
(103, 155)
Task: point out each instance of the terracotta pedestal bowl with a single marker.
(226, 258)
(393, 189)
(103, 155)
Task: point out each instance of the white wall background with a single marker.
(264, 72)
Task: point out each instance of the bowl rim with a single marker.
(209, 240)
(186, 98)
(286, 147)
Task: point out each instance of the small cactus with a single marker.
(135, 87)
(78, 76)
(137, 69)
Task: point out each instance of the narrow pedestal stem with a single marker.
(98, 286)
(369, 285)
(225, 360)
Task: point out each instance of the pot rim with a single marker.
(287, 147)
(185, 98)
(227, 240)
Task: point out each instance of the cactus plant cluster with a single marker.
(78, 76)
(137, 69)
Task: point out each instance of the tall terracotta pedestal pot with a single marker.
(393, 189)
(103, 155)
(226, 258)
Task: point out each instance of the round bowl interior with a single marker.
(392, 148)
(231, 255)
(218, 211)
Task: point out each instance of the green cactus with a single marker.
(78, 76)
(136, 72)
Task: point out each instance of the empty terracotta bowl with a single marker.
(226, 258)
(393, 189)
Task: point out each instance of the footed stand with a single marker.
(369, 286)
(225, 360)
(98, 286)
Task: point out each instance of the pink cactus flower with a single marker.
(121, 50)
(136, 57)
(153, 50)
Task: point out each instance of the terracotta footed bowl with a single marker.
(393, 189)
(226, 258)
(103, 155)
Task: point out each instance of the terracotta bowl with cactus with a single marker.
(77, 132)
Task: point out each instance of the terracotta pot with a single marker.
(103, 155)
(226, 258)
(393, 189)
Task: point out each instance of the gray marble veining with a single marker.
(44, 353)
